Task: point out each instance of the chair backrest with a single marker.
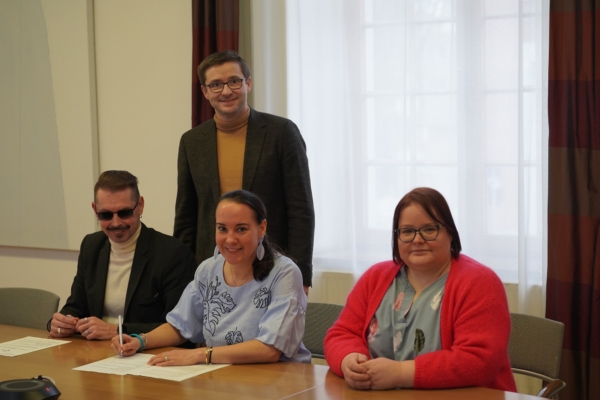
(319, 318)
(535, 346)
(28, 308)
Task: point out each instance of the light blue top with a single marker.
(402, 327)
(271, 311)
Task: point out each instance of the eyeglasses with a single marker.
(217, 87)
(428, 233)
(123, 214)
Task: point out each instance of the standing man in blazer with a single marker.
(241, 148)
(127, 269)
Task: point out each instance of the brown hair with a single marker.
(436, 207)
(116, 181)
(221, 58)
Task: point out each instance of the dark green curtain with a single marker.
(573, 285)
(215, 28)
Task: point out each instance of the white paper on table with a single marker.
(27, 345)
(138, 365)
(176, 373)
(117, 365)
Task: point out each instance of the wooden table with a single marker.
(257, 381)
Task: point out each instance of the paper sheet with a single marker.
(138, 365)
(116, 365)
(27, 345)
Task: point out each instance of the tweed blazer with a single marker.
(275, 169)
(162, 267)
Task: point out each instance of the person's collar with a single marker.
(128, 246)
(235, 124)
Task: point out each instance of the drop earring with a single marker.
(260, 250)
(216, 252)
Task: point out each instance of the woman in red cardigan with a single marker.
(431, 318)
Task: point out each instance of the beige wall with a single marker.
(48, 122)
(143, 67)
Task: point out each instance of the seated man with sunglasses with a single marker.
(126, 269)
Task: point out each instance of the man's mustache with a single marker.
(118, 228)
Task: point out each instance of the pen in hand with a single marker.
(121, 335)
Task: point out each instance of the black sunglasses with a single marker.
(123, 214)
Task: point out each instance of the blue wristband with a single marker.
(138, 337)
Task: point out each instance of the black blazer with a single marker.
(275, 169)
(162, 267)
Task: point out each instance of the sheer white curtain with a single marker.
(395, 94)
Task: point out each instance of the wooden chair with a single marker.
(535, 349)
(319, 318)
(28, 308)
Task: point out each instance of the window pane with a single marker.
(501, 7)
(435, 128)
(432, 9)
(433, 45)
(501, 53)
(502, 195)
(531, 52)
(533, 211)
(532, 132)
(444, 179)
(385, 11)
(385, 58)
(501, 127)
(386, 128)
(387, 185)
(532, 6)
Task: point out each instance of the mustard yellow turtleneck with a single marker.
(231, 144)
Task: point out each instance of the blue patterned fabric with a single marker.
(402, 327)
(271, 311)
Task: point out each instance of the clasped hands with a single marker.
(90, 327)
(377, 374)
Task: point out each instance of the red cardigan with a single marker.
(475, 327)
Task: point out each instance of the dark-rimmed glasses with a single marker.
(217, 87)
(428, 233)
(123, 214)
